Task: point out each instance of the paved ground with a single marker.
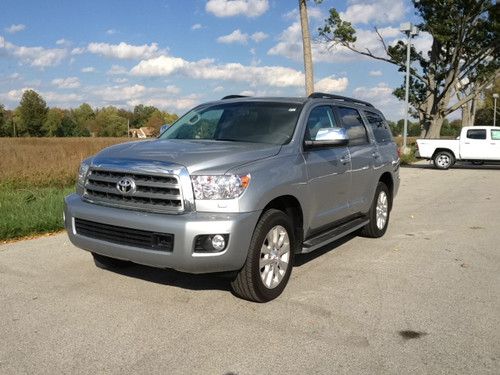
(425, 299)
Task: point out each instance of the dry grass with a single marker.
(46, 162)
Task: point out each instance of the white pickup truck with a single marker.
(476, 144)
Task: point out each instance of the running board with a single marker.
(331, 235)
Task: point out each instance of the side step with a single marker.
(323, 238)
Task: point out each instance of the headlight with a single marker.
(219, 187)
(82, 172)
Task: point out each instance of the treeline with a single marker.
(449, 129)
(32, 118)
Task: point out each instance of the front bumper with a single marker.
(184, 227)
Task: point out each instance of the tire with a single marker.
(379, 213)
(258, 281)
(443, 160)
(105, 262)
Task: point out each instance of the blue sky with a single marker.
(176, 54)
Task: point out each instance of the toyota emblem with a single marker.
(126, 186)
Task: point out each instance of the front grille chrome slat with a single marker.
(152, 192)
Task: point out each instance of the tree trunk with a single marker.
(435, 127)
(306, 43)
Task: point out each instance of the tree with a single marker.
(32, 114)
(3, 122)
(84, 117)
(109, 123)
(464, 52)
(52, 126)
(141, 115)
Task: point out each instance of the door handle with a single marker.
(345, 159)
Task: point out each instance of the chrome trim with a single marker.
(146, 168)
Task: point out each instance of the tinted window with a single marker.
(352, 122)
(495, 135)
(238, 122)
(319, 118)
(476, 133)
(379, 127)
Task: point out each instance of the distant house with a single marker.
(144, 132)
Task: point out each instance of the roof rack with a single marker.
(320, 95)
(234, 97)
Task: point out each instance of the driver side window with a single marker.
(319, 118)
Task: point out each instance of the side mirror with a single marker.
(329, 137)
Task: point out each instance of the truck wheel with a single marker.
(270, 259)
(105, 262)
(443, 160)
(379, 213)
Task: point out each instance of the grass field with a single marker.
(35, 175)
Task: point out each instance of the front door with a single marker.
(494, 144)
(328, 172)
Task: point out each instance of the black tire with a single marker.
(248, 284)
(372, 229)
(443, 160)
(105, 262)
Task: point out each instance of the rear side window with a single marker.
(379, 127)
(352, 122)
(495, 135)
(476, 134)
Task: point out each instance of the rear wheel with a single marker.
(270, 259)
(379, 213)
(443, 160)
(105, 262)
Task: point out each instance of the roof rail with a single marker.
(320, 95)
(234, 97)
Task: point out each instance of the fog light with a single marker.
(218, 242)
(211, 243)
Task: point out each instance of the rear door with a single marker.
(494, 153)
(474, 145)
(362, 153)
(328, 171)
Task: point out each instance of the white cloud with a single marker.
(277, 76)
(423, 42)
(247, 93)
(230, 8)
(35, 56)
(124, 50)
(196, 26)
(117, 70)
(66, 83)
(111, 31)
(235, 37)
(52, 98)
(259, 36)
(378, 11)
(218, 89)
(78, 51)
(381, 97)
(88, 69)
(375, 73)
(63, 42)
(12, 29)
(120, 80)
(331, 84)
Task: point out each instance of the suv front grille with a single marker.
(125, 236)
(156, 193)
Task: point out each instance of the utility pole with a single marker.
(128, 128)
(410, 30)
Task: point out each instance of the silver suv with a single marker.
(239, 185)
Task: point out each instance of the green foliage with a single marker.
(109, 123)
(32, 114)
(451, 129)
(30, 211)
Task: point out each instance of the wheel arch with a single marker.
(292, 207)
(387, 179)
(441, 149)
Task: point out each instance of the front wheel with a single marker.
(443, 160)
(379, 213)
(270, 259)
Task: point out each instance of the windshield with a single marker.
(258, 122)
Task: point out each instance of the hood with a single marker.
(198, 156)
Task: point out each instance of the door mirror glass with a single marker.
(329, 137)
